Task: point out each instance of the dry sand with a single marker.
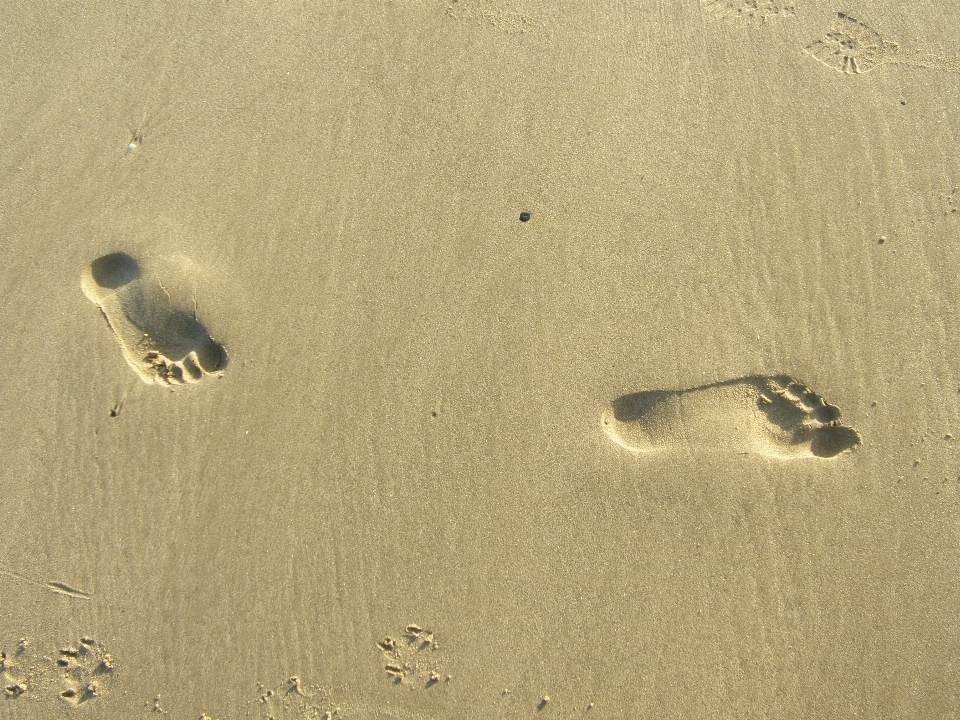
(355, 442)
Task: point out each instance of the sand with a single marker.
(300, 420)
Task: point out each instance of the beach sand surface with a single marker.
(298, 419)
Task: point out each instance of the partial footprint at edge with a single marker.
(774, 416)
(163, 344)
(491, 13)
(750, 12)
(853, 47)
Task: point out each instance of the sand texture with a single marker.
(424, 359)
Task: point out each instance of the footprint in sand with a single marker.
(412, 659)
(19, 672)
(853, 47)
(773, 416)
(295, 700)
(750, 12)
(163, 344)
(491, 13)
(85, 670)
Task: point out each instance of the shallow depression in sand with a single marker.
(163, 344)
(774, 416)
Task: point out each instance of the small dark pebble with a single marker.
(524, 216)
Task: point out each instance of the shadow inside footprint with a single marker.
(181, 334)
(770, 415)
(164, 344)
(629, 408)
(115, 270)
(832, 440)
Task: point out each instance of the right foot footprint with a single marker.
(163, 344)
(773, 416)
